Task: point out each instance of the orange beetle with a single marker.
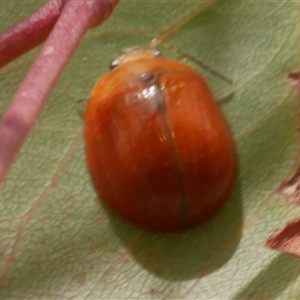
(158, 147)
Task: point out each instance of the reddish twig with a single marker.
(29, 33)
(76, 17)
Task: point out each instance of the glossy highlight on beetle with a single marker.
(159, 150)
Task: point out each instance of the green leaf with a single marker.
(57, 241)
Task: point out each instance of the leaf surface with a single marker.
(58, 242)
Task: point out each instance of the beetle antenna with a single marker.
(201, 64)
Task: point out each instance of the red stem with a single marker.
(29, 33)
(76, 17)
